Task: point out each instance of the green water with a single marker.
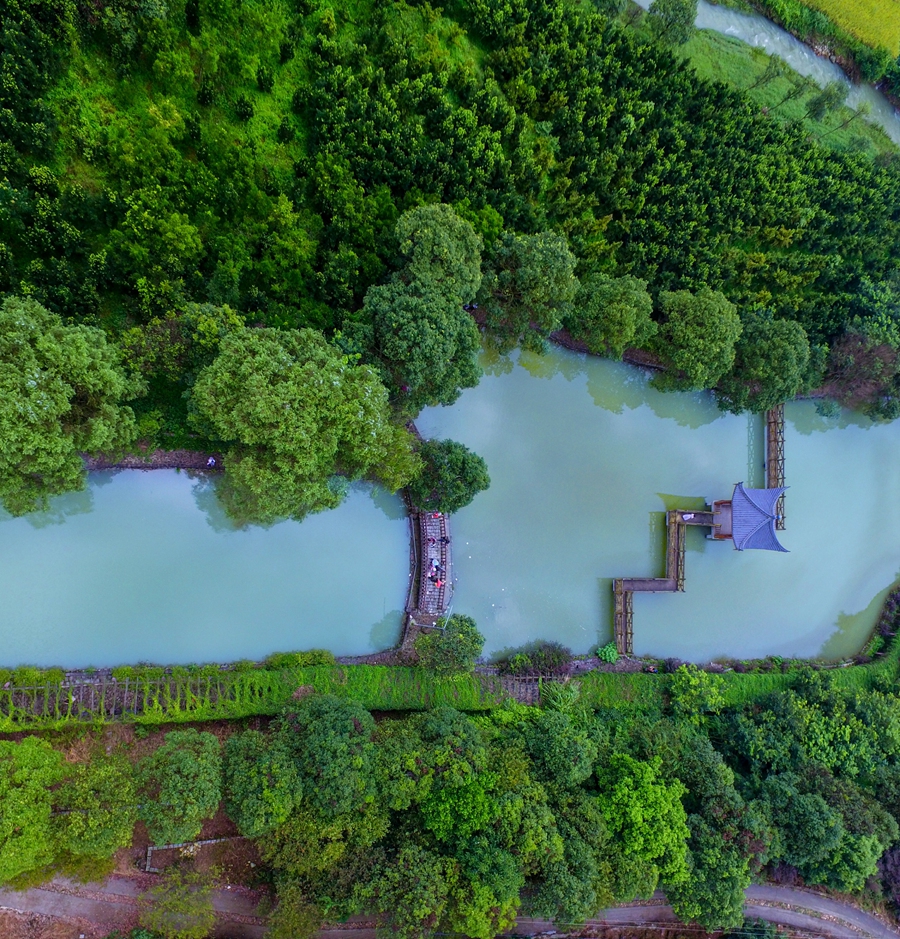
(143, 566)
(585, 458)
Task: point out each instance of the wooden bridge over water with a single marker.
(431, 585)
(677, 521)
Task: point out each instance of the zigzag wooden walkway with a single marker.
(625, 587)
(775, 458)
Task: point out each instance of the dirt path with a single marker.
(114, 905)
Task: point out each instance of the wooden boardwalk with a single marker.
(625, 587)
(775, 458)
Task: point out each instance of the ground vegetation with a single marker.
(445, 821)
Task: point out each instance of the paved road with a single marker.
(114, 904)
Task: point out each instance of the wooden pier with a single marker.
(775, 457)
(625, 587)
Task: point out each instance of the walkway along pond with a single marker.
(719, 520)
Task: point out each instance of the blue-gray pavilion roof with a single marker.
(753, 518)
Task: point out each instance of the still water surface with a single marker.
(585, 457)
(143, 566)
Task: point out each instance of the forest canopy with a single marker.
(180, 175)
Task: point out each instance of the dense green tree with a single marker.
(645, 819)
(808, 830)
(771, 363)
(96, 807)
(422, 339)
(562, 750)
(27, 772)
(440, 249)
(180, 907)
(294, 412)
(425, 342)
(413, 891)
(696, 337)
(180, 785)
(262, 786)
(331, 741)
(60, 393)
(452, 475)
(712, 894)
(452, 647)
(672, 21)
(612, 314)
(528, 287)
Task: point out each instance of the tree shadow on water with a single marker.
(206, 498)
(385, 634)
(60, 509)
(387, 502)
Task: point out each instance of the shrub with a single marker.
(299, 659)
(27, 676)
(451, 649)
(694, 692)
(608, 653)
(243, 108)
(265, 78)
(179, 908)
(545, 658)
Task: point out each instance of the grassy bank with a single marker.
(150, 696)
(721, 58)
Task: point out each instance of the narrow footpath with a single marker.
(114, 903)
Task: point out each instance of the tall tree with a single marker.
(419, 335)
(672, 21)
(771, 361)
(295, 412)
(645, 818)
(60, 393)
(528, 287)
(451, 477)
(331, 741)
(696, 337)
(612, 314)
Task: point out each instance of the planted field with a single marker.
(874, 22)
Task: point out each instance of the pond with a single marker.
(585, 457)
(144, 567)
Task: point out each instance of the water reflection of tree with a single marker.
(207, 501)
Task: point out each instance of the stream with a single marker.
(761, 33)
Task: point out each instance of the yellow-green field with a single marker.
(874, 22)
